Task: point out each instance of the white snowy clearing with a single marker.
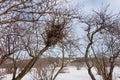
(83, 75)
(73, 74)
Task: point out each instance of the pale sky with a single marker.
(96, 4)
(88, 6)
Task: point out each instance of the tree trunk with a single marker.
(87, 61)
(91, 74)
(30, 65)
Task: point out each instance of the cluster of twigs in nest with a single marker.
(54, 34)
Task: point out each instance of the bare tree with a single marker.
(31, 28)
(96, 25)
(106, 57)
(48, 67)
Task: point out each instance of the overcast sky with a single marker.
(96, 4)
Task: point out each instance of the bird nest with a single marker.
(54, 34)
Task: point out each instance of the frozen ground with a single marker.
(76, 75)
(73, 74)
(83, 75)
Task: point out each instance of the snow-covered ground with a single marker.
(83, 75)
(73, 74)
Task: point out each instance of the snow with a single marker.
(73, 74)
(116, 73)
(76, 74)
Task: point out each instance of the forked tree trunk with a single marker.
(62, 66)
(30, 65)
(89, 70)
(87, 62)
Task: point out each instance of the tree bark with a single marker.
(30, 65)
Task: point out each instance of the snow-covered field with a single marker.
(83, 75)
(76, 75)
(73, 74)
